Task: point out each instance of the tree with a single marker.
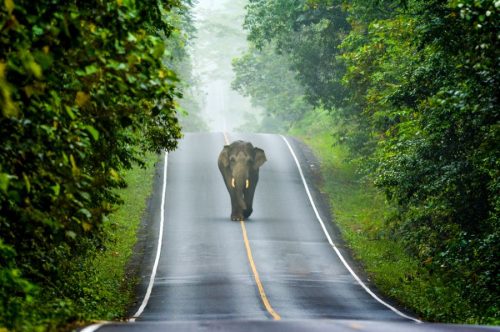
(83, 90)
(440, 163)
(267, 79)
(309, 34)
(413, 86)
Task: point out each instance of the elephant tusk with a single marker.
(247, 184)
(232, 183)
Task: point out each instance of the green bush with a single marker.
(83, 90)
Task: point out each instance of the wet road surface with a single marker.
(204, 272)
(207, 278)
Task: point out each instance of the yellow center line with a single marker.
(256, 276)
(226, 139)
(262, 293)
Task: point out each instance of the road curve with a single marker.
(203, 271)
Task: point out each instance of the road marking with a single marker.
(342, 259)
(262, 293)
(158, 249)
(93, 327)
(256, 276)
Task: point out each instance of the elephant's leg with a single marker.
(249, 200)
(247, 212)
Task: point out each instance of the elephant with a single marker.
(239, 165)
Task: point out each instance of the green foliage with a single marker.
(360, 209)
(114, 276)
(377, 58)
(413, 88)
(309, 34)
(83, 89)
(439, 164)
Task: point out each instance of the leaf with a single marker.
(69, 111)
(92, 131)
(65, 158)
(37, 31)
(82, 98)
(91, 69)
(10, 109)
(56, 189)
(35, 68)
(71, 234)
(29, 90)
(4, 182)
(9, 5)
(131, 38)
(86, 226)
(74, 169)
(27, 182)
(2, 70)
(114, 174)
(85, 212)
(44, 58)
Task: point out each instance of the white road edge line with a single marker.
(318, 217)
(93, 327)
(158, 248)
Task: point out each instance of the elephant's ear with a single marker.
(224, 156)
(260, 157)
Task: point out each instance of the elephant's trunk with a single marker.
(240, 180)
(239, 186)
(241, 200)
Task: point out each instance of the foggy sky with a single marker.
(220, 38)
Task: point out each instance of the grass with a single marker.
(112, 288)
(359, 210)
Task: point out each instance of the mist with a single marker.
(220, 38)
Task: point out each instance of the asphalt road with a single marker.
(216, 274)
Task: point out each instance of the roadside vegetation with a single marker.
(106, 277)
(360, 211)
(399, 99)
(112, 289)
(88, 96)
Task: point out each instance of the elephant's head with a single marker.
(239, 163)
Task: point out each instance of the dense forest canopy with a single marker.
(414, 87)
(85, 88)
